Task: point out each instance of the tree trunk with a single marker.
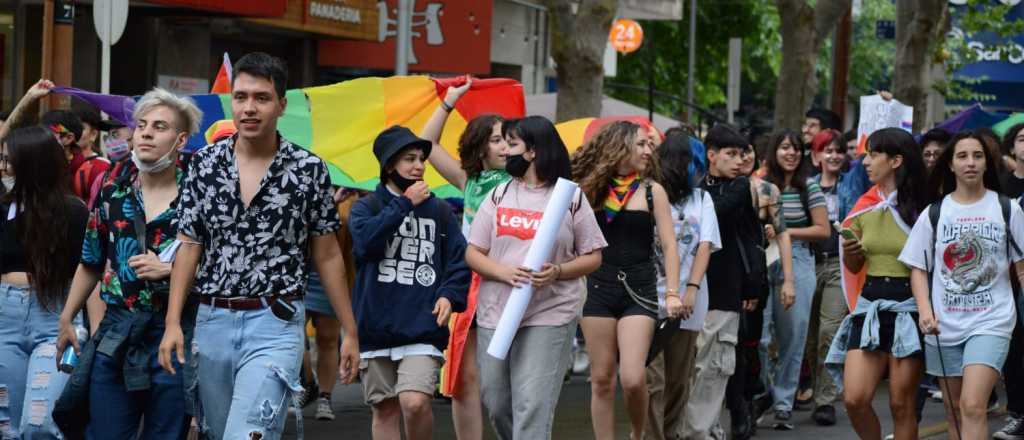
(804, 29)
(918, 27)
(577, 46)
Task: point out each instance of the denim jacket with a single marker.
(905, 338)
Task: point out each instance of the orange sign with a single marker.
(626, 35)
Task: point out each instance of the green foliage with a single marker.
(977, 17)
(755, 21)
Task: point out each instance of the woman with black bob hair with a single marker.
(521, 392)
(960, 253)
(873, 235)
(42, 225)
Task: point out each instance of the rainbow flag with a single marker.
(339, 122)
(577, 132)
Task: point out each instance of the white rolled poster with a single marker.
(536, 256)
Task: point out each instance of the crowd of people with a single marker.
(148, 293)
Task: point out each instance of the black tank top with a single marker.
(630, 238)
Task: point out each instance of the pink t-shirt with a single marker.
(505, 233)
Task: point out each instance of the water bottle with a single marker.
(69, 359)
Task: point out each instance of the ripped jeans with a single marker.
(248, 365)
(29, 380)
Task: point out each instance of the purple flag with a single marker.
(118, 107)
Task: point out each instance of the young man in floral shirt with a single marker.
(254, 209)
(132, 227)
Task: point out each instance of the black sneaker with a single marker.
(1014, 429)
(781, 422)
(760, 407)
(741, 423)
(824, 415)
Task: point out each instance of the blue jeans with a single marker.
(29, 380)
(788, 326)
(116, 412)
(248, 365)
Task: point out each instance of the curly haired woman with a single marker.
(614, 171)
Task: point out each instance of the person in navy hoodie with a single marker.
(411, 274)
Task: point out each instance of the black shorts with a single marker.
(877, 288)
(607, 297)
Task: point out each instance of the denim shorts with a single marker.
(988, 350)
(316, 300)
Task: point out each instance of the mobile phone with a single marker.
(283, 310)
(849, 234)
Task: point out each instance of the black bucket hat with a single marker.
(392, 141)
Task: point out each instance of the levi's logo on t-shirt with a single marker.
(519, 223)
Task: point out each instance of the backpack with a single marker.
(80, 182)
(934, 211)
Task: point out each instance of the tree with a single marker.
(804, 25)
(920, 25)
(579, 33)
(754, 21)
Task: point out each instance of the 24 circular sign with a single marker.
(626, 36)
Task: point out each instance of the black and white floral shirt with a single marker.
(262, 250)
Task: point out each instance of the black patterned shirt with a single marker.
(261, 250)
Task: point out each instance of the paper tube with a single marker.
(540, 251)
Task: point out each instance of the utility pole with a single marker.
(841, 65)
(693, 55)
(403, 38)
(58, 47)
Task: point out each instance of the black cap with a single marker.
(392, 141)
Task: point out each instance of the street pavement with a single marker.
(572, 419)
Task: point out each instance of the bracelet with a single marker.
(558, 269)
(694, 285)
(671, 292)
(447, 108)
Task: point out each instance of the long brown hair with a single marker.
(475, 141)
(41, 193)
(596, 163)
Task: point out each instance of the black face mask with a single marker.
(401, 182)
(516, 165)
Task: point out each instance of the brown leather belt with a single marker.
(245, 302)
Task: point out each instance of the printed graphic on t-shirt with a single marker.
(519, 223)
(409, 255)
(970, 250)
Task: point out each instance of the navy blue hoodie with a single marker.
(405, 260)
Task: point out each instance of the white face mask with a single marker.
(159, 165)
(8, 182)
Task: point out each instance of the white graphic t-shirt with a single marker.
(971, 280)
(695, 222)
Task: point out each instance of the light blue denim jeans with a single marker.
(29, 380)
(248, 369)
(789, 327)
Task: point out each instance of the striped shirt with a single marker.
(793, 211)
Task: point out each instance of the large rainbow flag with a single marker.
(339, 122)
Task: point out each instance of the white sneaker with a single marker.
(323, 409)
(581, 362)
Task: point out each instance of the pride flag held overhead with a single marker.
(339, 122)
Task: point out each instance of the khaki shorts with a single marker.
(384, 378)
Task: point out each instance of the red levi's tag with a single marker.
(519, 223)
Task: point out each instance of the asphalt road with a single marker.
(572, 420)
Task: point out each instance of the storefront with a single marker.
(179, 43)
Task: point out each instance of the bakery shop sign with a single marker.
(334, 11)
(350, 19)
